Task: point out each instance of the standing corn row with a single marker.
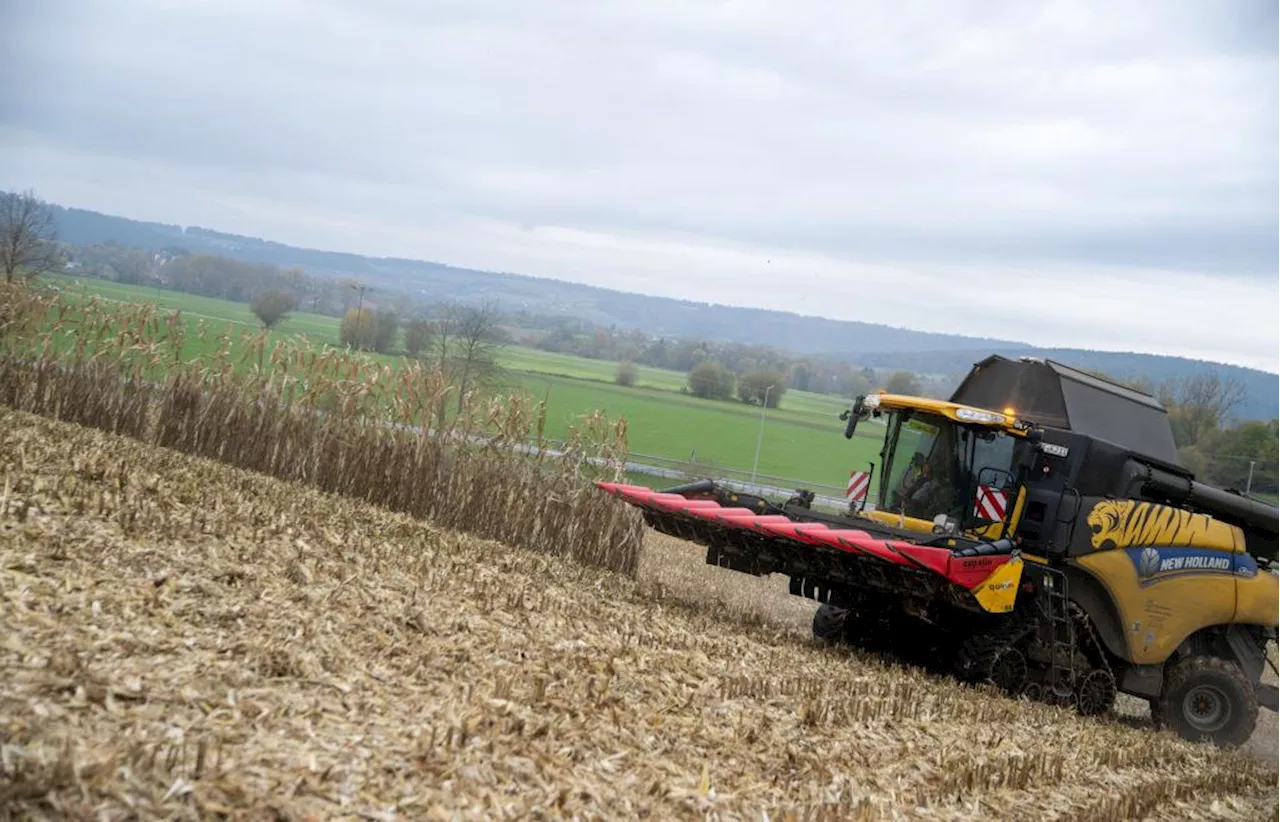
(339, 421)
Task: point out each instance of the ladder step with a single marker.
(1058, 632)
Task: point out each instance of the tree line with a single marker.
(462, 341)
(209, 275)
(273, 293)
(1211, 442)
(721, 370)
(712, 379)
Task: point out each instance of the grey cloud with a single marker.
(1057, 134)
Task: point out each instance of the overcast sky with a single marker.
(1091, 174)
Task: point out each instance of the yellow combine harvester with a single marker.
(1037, 531)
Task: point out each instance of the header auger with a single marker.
(1101, 567)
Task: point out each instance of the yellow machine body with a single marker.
(1170, 573)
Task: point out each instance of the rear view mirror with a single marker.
(996, 478)
(859, 411)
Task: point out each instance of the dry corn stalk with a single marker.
(334, 420)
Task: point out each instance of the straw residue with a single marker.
(185, 639)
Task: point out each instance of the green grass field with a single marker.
(215, 313)
(802, 440)
(674, 426)
(532, 361)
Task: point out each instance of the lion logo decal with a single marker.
(1106, 521)
(1127, 523)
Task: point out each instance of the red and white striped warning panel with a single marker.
(859, 484)
(991, 503)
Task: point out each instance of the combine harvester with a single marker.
(1055, 547)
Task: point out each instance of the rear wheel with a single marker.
(860, 628)
(1207, 699)
(828, 624)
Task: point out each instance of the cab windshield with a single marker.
(933, 465)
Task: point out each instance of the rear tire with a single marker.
(828, 624)
(1209, 699)
(848, 626)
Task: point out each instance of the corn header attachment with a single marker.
(823, 555)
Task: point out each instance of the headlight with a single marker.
(974, 415)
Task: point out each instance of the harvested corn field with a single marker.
(183, 639)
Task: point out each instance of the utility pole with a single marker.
(360, 305)
(360, 311)
(760, 436)
(1249, 482)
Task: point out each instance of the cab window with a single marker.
(923, 477)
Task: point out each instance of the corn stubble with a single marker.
(181, 638)
(186, 639)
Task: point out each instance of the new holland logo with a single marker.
(1157, 564)
(1148, 563)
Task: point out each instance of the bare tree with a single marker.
(386, 324)
(295, 277)
(28, 236)
(353, 292)
(356, 329)
(1199, 404)
(476, 342)
(464, 344)
(626, 373)
(418, 333)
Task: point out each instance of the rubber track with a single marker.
(975, 655)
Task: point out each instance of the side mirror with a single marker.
(859, 411)
(1029, 452)
(996, 477)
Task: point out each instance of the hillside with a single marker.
(862, 343)
(187, 640)
(657, 316)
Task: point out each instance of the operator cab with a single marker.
(943, 467)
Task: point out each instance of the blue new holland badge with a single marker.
(1156, 564)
